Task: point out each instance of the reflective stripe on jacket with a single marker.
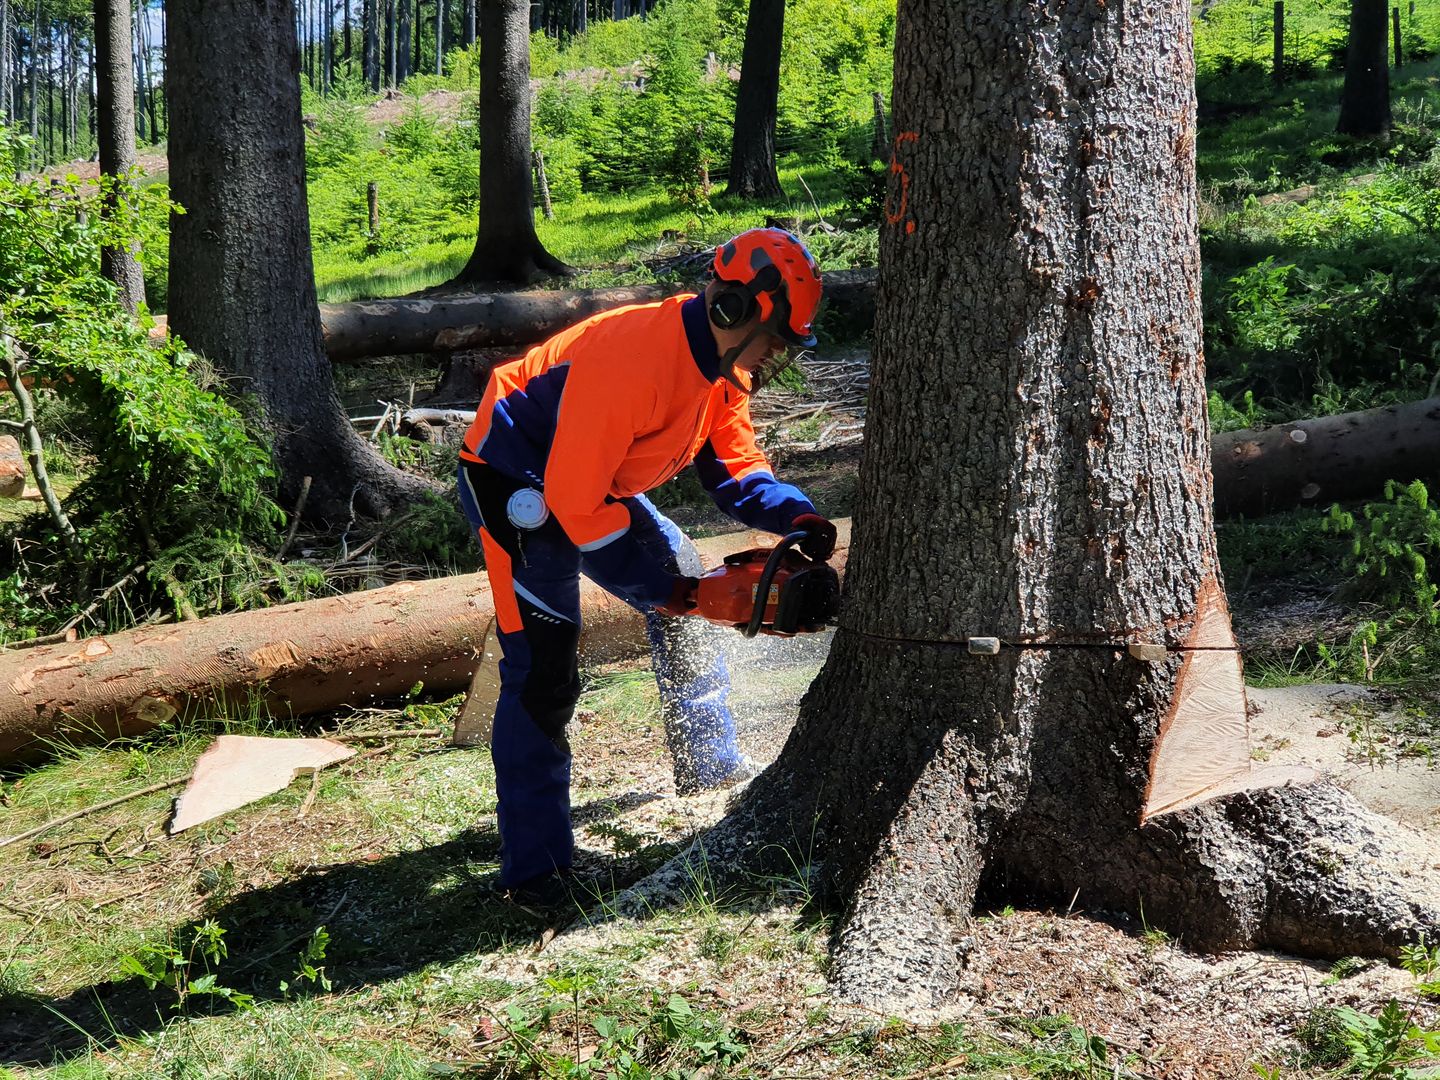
(615, 406)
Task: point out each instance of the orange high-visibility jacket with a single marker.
(615, 406)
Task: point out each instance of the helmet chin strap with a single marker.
(732, 354)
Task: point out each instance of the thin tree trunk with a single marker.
(391, 55)
(5, 103)
(439, 37)
(349, 54)
(402, 48)
(1365, 96)
(116, 135)
(506, 247)
(92, 112)
(139, 62)
(35, 80)
(50, 90)
(372, 44)
(64, 36)
(752, 148)
(163, 113)
(469, 38)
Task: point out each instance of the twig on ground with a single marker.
(47, 639)
(310, 795)
(76, 814)
(375, 431)
(295, 518)
(100, 600)
(397, 733)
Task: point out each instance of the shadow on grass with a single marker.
(385, 918)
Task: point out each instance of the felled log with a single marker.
(1328, 459)
(469, 321)
(299, 659)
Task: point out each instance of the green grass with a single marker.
(592, 232)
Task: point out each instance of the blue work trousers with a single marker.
(535, 582)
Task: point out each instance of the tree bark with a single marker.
(1365, 96)
(752, 149)
(116, 135)
(242, 284)
(506, 246)
(298, 659)
(1035, 469)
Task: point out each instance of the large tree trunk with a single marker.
(506, 247)
(1036, 469)
(1365, 98)
(752, 148)
(483, 320)
(242, 286)
(298, 659)
(116, 135)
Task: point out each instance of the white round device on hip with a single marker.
(526, 509)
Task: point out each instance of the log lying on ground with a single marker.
(1325, 460)
(298, 659)
(470, 321)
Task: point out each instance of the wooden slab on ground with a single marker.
(239, 769)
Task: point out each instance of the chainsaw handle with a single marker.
(767, 575)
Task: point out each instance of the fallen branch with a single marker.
(295, 518)
(397, 733)
(100, 600)
(76, 814)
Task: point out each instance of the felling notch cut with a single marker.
(1203, 748)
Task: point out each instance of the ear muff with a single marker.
(737, 302)
(732, 307)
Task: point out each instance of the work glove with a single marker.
(682, 597)
(819, 542)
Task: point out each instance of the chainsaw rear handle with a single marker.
(767, 575)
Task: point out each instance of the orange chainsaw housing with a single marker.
(803, 595)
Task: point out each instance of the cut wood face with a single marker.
(1203, 750)
(12, 468)
(239, 769)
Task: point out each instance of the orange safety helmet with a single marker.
(767, 272)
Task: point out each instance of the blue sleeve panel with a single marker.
(633, 565)
(757, 500)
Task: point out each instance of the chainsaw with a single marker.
(770, 591)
